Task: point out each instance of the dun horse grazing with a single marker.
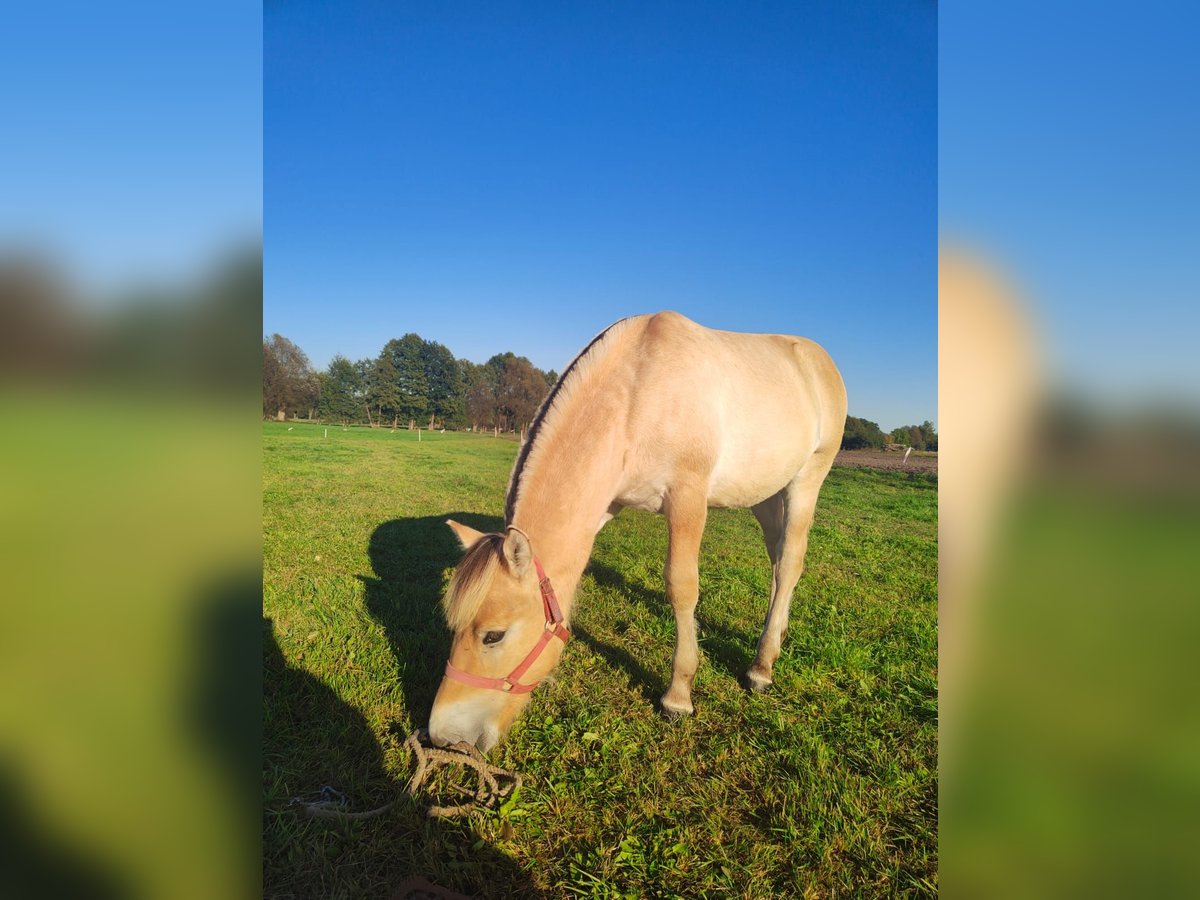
(656, 413)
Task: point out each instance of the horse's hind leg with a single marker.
(770, 516)
(786, 519)
(687, 511)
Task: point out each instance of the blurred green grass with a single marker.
(826, 785)
(1076, 772)
(129, 526)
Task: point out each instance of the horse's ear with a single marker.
(517, 552)
(466, 535)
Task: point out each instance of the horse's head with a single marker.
(502, 643)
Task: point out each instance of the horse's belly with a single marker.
(732, 494)
(649, 497)
(741, 495)
(747, 475)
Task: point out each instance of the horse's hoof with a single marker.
(755, 682)
(674, 710)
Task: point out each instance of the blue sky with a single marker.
(133, 136)
(501, 177)
(1068, 148)
(517, 182)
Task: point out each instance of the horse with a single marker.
(656, 413)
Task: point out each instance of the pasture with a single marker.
(825, 786)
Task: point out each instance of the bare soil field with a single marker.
(918, 460)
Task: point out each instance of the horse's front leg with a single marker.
(687, 510)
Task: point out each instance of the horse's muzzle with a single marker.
(452, 723)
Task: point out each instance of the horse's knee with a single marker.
(683, 587)
(683, 599)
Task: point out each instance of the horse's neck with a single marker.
(562, 503)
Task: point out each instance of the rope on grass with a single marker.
(494, 783)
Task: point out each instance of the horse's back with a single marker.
(685, 370)
(744, 411)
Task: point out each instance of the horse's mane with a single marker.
(471, 581)
(473, 576)
(548, 414)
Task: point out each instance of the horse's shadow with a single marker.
(728, 649)
(410, 558)
(311, 738)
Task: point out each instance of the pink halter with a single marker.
(554, 629)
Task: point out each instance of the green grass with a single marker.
(825, 786)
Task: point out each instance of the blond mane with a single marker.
(549, 414)
(471, 581)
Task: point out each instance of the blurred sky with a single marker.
(1068, 148)
(133, 140)
(501, 177)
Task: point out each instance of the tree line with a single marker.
(412, 382)
(861, 434)
(420, 382)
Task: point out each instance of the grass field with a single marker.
(825, 787)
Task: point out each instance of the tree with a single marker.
(364, 368)
(445, 387)
(481, 385)
(407, 368)
(861, 433)
(342, 391)
(919, 437)
(930, 434)
(289, 383)
(520, 389)
(382, 394)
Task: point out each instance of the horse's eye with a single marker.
(493, 637)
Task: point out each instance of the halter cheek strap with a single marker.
(555, 628)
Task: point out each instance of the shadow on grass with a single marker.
(41, 862)
(409, 557)
(312, 738)
(732, 651)
(650, 685)
(222, 699)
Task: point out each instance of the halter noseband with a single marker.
(554, 629)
